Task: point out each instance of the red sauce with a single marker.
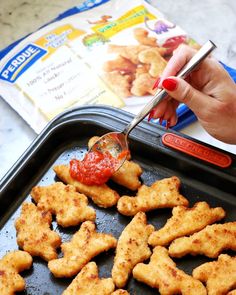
(95, 169)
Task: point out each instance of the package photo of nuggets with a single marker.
(132, 39)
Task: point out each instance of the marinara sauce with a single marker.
(95, 169)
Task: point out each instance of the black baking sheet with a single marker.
(67, 138)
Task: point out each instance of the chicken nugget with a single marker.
(87, 282)
(120, 64)
(210, 241)
(161, 273)
(101, 195)
(127, 175)
(143, 85)
(141, 35)
(120, 292)
(70, 207)
(142, 69)
(186, 221)
(132, 248)
(161, 194)
(219, 276)
(153, 57)
(10, 265)
(130, 52)
(85, 244)
(34, 234)
(119, 83)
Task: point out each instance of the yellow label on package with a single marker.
(58, 37)
(132, 17)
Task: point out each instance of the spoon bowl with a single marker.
(114, 143)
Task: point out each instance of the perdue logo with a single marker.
(19, 63)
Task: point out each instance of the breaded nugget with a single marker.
(34, 234)
(130, 52)
(153, 57)
(142, 69)
(132, 248)
(186, 221)
(87, 282)
(143, 85)
(101, 195)
(70, 207)
(120, 292)
(210, 241)
(119, 83)
(128, 174)
(84, 245)
(10, 265)
(120, 64)
(219, 276)
(161, 194)
(141, 35)
(161, 273)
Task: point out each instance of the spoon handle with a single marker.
(201, 54)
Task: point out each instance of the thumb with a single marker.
(183, 92)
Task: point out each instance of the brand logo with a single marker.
(19, 63)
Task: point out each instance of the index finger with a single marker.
(179, 59)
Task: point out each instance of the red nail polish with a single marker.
(156, 83)
(167, 124)
(151, 114)
(161, 120)
(169, 84)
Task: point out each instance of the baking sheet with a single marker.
(75, 128)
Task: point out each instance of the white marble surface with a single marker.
(203, 19)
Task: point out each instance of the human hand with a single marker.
(208, 91)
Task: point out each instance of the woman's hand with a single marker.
(209, 92)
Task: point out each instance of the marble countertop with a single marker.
(203, 20)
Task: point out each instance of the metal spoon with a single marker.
(116, 143)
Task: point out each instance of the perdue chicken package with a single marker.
(102, 52)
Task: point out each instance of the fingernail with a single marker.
(167, 124)
(161, 120)
(169, 84)
(156, 83)
(151, 114)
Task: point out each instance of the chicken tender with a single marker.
(186, 221)
(87, 282)
(132, 248)
(128, 174)
(130, 52)
(143, 85)
(34, 234)
(70, 207)
(141, 35)
(161, 273)
(10, 265)
(161, 194)
(153, 57)
(119, 83)
(219, 276)
(101, 195)
(120, 64)
(210, 241)
(85, 244)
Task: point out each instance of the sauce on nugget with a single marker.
(95, 169)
